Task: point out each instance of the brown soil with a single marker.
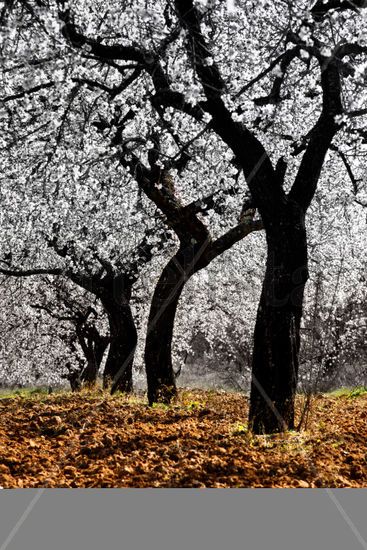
(94, 440)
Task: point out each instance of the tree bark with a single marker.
(94, 348)
(90, 373)
(277, 330)
(189, 259)
(158, 352)
(123, 340)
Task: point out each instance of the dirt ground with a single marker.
(94, 440)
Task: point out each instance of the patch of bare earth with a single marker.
(94, 440)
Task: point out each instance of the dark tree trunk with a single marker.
(158, 354)
(73, 377)
(189, 259)
(277, 330)
(94, 350)
(74, 381)
(90, 373)
(123, 339)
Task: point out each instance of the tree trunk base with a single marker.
(268, 420)
(124, 384)
(90, 385)
(163, 394)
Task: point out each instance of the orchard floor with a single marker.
(94, 440)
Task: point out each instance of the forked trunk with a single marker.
(123, 340)
(277, 330)
(94, 351)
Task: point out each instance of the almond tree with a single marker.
(112, 286)
(65, 214)
(82, 321)
(196, 250)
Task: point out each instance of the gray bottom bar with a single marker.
(183, 519)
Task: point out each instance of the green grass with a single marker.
(160, 406)
(28, 393)
(24, 393)
(240, 429)
(350, 393)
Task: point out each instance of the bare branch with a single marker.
(233, 236)
(30, 91)
(262, 75)
(323, 7)
(274, 95)
(30, 272)
(351, 175)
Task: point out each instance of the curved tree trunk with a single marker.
(277, 330)
(158, 356)
(188, 260)
(123, 340)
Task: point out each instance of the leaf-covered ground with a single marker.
(94, 440)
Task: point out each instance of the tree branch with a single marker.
(321, 137)
(250, 153)
(30, 272)
(30, 91)
(158, 186)
(274, 96)
(262, 75)
(233, 236)
(352, 177)
(323, 7)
